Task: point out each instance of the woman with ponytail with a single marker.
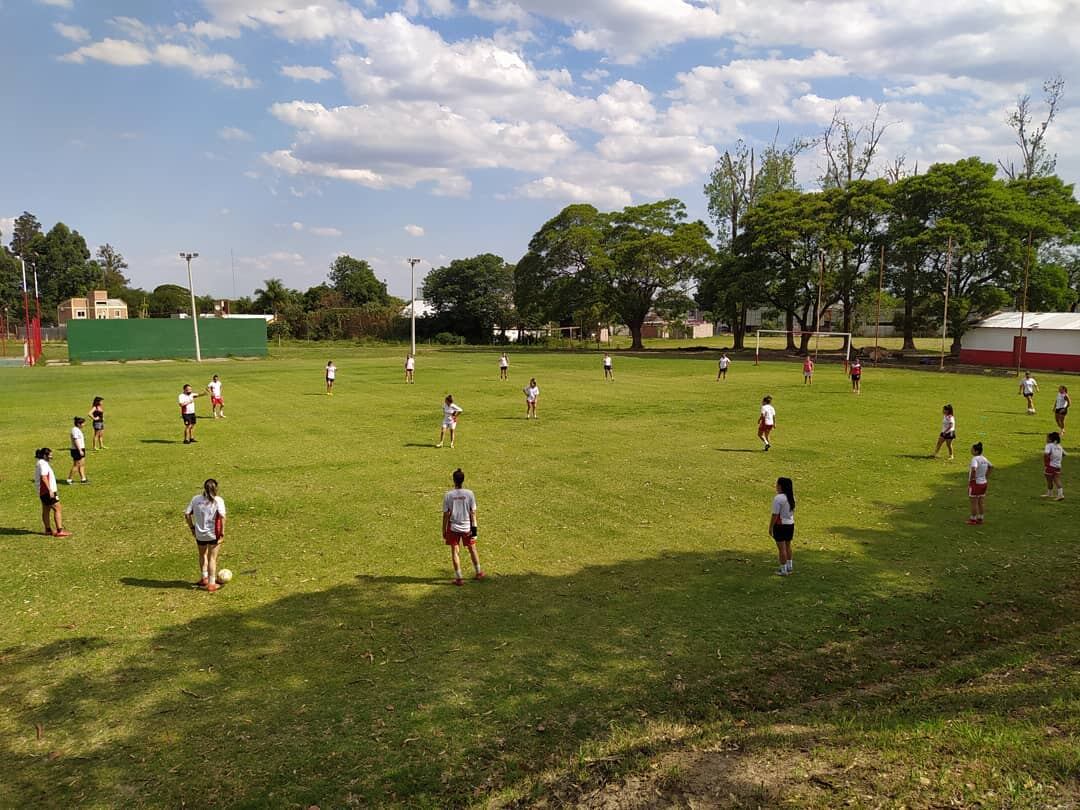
(205, 517)
(782, 522)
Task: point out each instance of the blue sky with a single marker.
(285, 132)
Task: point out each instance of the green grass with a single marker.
(631, 616)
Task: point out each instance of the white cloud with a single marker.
(414, 230)
(306, 73)
(7, 228)
(324, 231)
(57, 3)
(76, 33)
(274, 260)
(552, 188)
(234, 134)
(597, 75)
(113, 52)
(298, 226)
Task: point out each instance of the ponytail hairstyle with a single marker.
(449, 399)
(787, 488)
(1054, 438)
(42, 452)
(977, 448)
(947, 410)
(459, 477)
(766, 401)
(209, 488)
(98, 401)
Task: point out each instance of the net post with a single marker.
(757, 349)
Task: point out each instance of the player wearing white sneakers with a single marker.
(1028, 387)
(217, 404)
(978, 482)
(532, 394)
(331, 375)
(766, 421)
(782, 522)
(504, 366)
(205, 517)
(948, 430)
(449, 422)
(609, 374)
(45, 483)
(459, 525)
(78, 451)
(187, 413)
(722, 367)
(1061, 407)
(410, 367)
(1053, 454)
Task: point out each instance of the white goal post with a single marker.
(798, 334)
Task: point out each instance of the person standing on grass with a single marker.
(532, 394)
(808, 371)
(217, 404)
(766, 422)
(410, 367)
(782, 522)
(459, 525)
(97, 417)
(205, 517)
(978, 483)
(45, 483)
(78, 451)
(187, 412)
(1053, 454)
(449, 422)
(721, 371)
(609, 374)
(856, 376)
(331, 375)
(1061, 408)
(948, 430)
(504, 367)
(1028, 387)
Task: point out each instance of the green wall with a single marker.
(159, 338)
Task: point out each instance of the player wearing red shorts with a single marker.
(217, 404)
(978, 482)
(459, 525)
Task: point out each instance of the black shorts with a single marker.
(99, 425)
(950, 435)
(189, 418)
(856, 377)
(76, 454)
(49, 500)
(783, 532)
(207, 542)
(1062, 411)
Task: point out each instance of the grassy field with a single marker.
(631, 635)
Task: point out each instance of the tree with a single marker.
(273, 297)
(112, 265)
(60, 259)
(1036, 158)
(27, 228)
(168, 300)
(471, 297)
(356, 282)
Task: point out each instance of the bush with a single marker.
(448, 339)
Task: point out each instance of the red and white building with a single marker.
(1050, 341)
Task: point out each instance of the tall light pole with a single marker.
(194, 315)
(412, 306)
(26, 313)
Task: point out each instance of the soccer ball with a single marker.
(224, 575)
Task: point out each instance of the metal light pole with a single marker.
(26, 313)
(194, 315)
(412, 306)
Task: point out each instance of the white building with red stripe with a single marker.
(1050, 341)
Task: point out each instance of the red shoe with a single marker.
(202, 582)
(973, 522)
(62, 533)
(480, 575)
(212, 586)
(459, 581)
(48, 532)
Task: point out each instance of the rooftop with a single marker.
(1032, 320)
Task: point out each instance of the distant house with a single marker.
(1050, 341)
(98, 307)
(693, 327)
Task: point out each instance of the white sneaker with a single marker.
(1046, 495)
(783, 572)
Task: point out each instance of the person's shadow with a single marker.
(11, 531)
(135, 582)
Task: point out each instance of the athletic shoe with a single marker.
(480, 575)
(186, 441)
(1046, 495)
(85, 481)
(212, 586)
(782, 572)
(48, 533)
(68, 482)
(192, 441)
(972, 522)
(439, 444)
(1059, 498)
(459, 581)
(62, 533)
(202, 582)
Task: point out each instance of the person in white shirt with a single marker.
(721, 372)
(1028, 387)
(410, 367)
(459, 525)
(782, 522)
(45, 484)
(187, 412)
(532, 394)
(608, 373)
(1061, 407)
(504, 367)
(217, 404)
(1053, 454)
(948, 430)
(449, 422)
(766, 422)
(205, 517)
(78, 452)
(978, 483)
(331, 375)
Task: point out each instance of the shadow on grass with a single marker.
(375, 693)
(13, 531)
(160, 441)
(738, 450)
(418, 444)
(156, 583)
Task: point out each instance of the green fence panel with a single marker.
(164, 338)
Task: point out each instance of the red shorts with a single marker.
(1050, 472)
(216, 401)
(453, 538)
(976, 490)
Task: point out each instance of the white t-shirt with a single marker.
(981, 465)
(503, 362)
(1061, 401)
(78, 440)
(215, 388)
(607, 361)
(531, 393)
(331, 371)
(187, 403)
(768, 414)
(948, 423)
(1056, 453)
(460, 503)
(450, 413)
(724, 362)
(410, 363)
(1027, 385)
(44, 478)
(203, 511)
(781, 507)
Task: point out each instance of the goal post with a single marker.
(799, 334)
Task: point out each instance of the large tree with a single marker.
(356, 282)
(62, 264)
(471, 297)
(112, 266)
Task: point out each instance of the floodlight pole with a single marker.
(877, 318)
(1023, 306)
(194, 314)
(26, 313)
(412, 306)
(945, 314)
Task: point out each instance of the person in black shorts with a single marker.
(97, 416)
(187, 412)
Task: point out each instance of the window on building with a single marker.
(81, 313)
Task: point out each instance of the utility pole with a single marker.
(194, 313)
(412, 306)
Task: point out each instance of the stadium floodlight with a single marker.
(412, 306)
(194, 315)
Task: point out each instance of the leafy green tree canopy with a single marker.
(471, 296)
(355, 281)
